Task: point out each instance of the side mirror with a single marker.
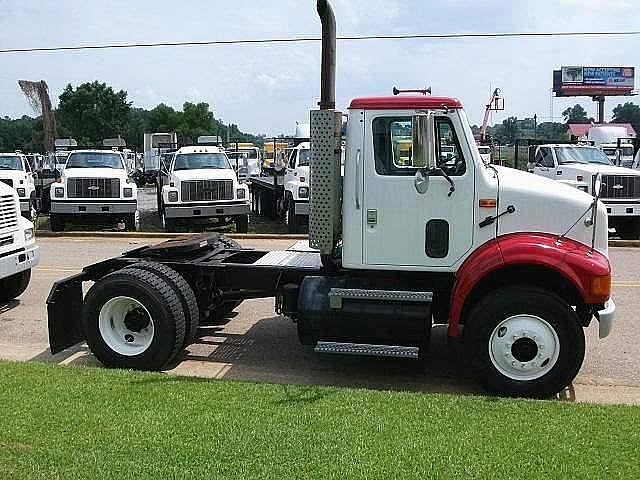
(597, 186)
(423, 141)
(421, 182)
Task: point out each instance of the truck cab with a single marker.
(577, 166)
(199, 183)
(16, 172)
(95, 186)
(622, 157)
(296, 186)
(18, 250)
(250, 153)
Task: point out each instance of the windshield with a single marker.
(627, 151)
(567, 155)
(251, 154)
(10, 163)
(303, 158)
(195, 161)
(94, 160)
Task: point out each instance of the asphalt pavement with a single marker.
(258, 345)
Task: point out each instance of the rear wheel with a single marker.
(57, 222)
(184, 292)
(242, 223)
(14, 286)
(134, 319)
(524, 341)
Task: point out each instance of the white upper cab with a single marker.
(15, 171)
(296, 177)
(201, 163)
(94, 164)
(389, 224)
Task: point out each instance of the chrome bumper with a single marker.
(19, 261)
(301, 208)
(605, 318)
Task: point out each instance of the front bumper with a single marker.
(19, 261)
(207, 210)
(620, 208)
(606, 317)
(301, 208)
(78, 207)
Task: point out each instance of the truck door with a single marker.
(290, 171)
(405, 228)
(544, 164)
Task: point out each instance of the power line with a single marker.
(435, 36)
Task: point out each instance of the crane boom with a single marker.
(490, 106)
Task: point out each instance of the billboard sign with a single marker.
(593, 81)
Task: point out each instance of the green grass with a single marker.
(64, 422)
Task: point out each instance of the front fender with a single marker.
(575, 262)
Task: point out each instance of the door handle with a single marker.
(357, 177)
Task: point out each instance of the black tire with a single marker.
(130, 223)
(242, 223)
(161, 301)
(14, 286)
(185, 294)
(57, 222)
(501, 304)
(628, 229)
(169, 224)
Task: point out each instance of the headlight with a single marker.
(21, 192)
(240, 193)
(28, 234)
(173, 196)
(303, 192)
(128, 192)
(59, 192)
(584, 188)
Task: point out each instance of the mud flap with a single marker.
(64, 308)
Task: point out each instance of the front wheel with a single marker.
(57, 222)
(628, 229)
(14, 286)
(524, 341)
(242, 223)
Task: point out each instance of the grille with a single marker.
(93, 188)
(207, 190)
(8, 181)
(8, 212)
(620, 186)
(4, 241)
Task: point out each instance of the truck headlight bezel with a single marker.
(59, 192)
(172, 196)
(127, 192)
(22, 192)
(241, 194)
(28, 234)
(303, 192)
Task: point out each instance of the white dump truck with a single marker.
(579, 165)
(15, 171)
(18, 250)
(198, 183)
(515, 264)
(94, 186)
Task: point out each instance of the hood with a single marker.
(593, 168)
(15, 175)
(94, 173)
(205, 174)
(548, 206)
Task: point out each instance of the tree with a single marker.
(93, 112)
(576, 114)
(163, 118)
(195, 120)
(553, 131)
(628, 113)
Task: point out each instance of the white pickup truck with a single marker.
(200, 183)
(94, 185)
(18, 250)
(577, 165)
(15, 171)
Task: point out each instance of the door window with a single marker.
(392, 145)
(544, 158)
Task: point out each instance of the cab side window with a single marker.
(448, 151)
(544, 158)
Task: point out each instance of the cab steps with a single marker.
(367, 349)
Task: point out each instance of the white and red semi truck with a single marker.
(515, 264)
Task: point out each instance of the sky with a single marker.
(267, 88)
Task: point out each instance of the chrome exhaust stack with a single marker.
(328, 68)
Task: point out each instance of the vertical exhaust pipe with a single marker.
(328, 69)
